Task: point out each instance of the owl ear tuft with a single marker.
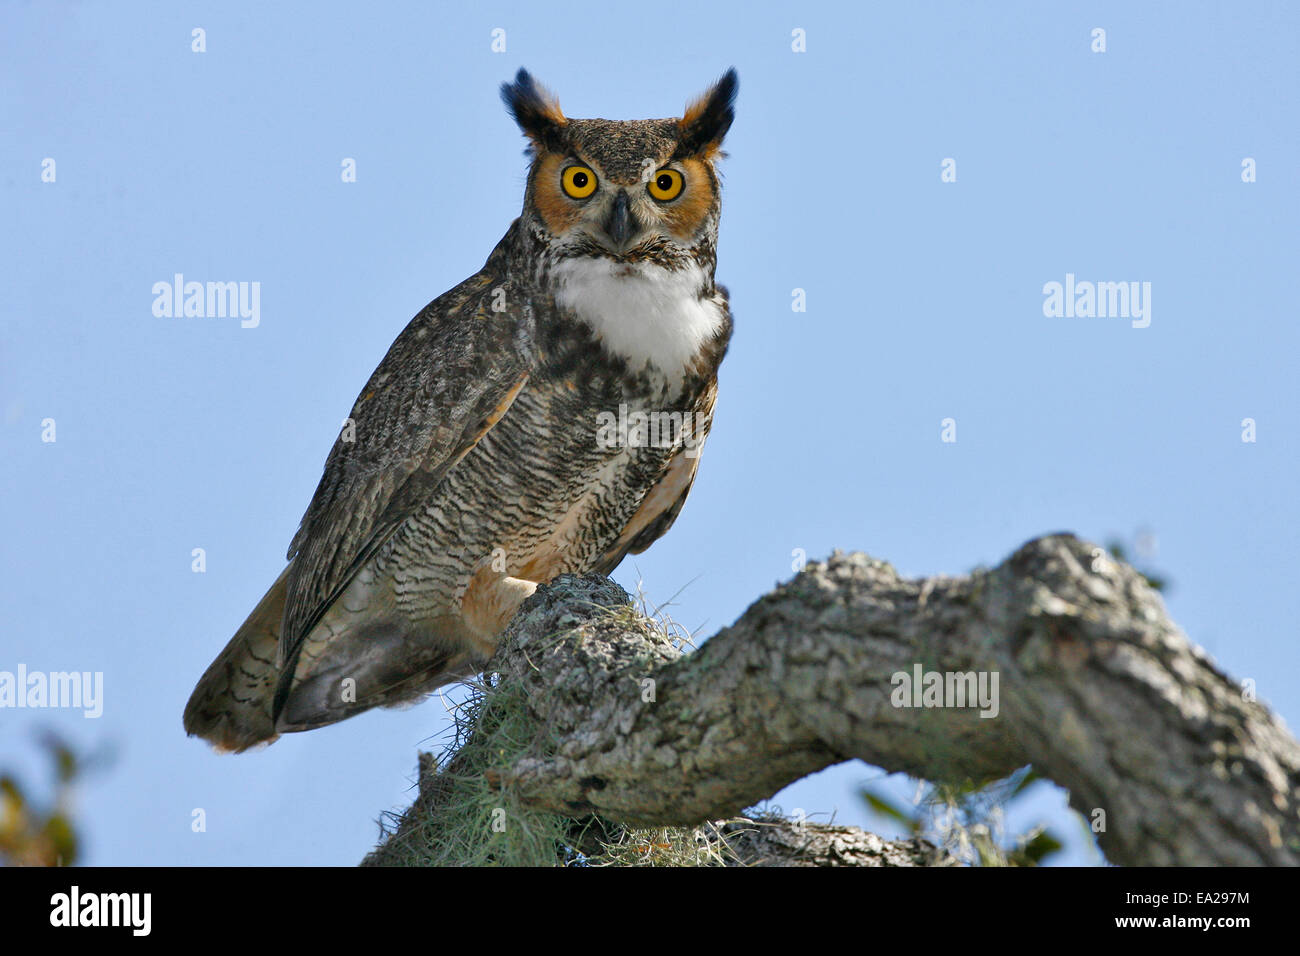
(708, 118)
(535, 109)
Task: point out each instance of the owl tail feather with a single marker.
(231, 705)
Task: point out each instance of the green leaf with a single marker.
(58, 830)
(887, 809)
(1039, 848)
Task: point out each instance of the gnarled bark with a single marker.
(1097, 689)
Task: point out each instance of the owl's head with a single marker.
(631, 191)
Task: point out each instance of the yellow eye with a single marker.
(579, 182)
(666, 184)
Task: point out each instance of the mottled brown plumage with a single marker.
(482, 456)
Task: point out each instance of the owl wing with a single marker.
(663, 502)
(448, 378)
(672, 492)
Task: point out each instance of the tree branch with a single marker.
(1097, 689)
(774, 842)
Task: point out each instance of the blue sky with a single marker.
(924, 302)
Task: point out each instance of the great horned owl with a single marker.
(544, 416)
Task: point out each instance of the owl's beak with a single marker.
(621, 225)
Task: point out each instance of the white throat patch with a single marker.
(640, 311)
